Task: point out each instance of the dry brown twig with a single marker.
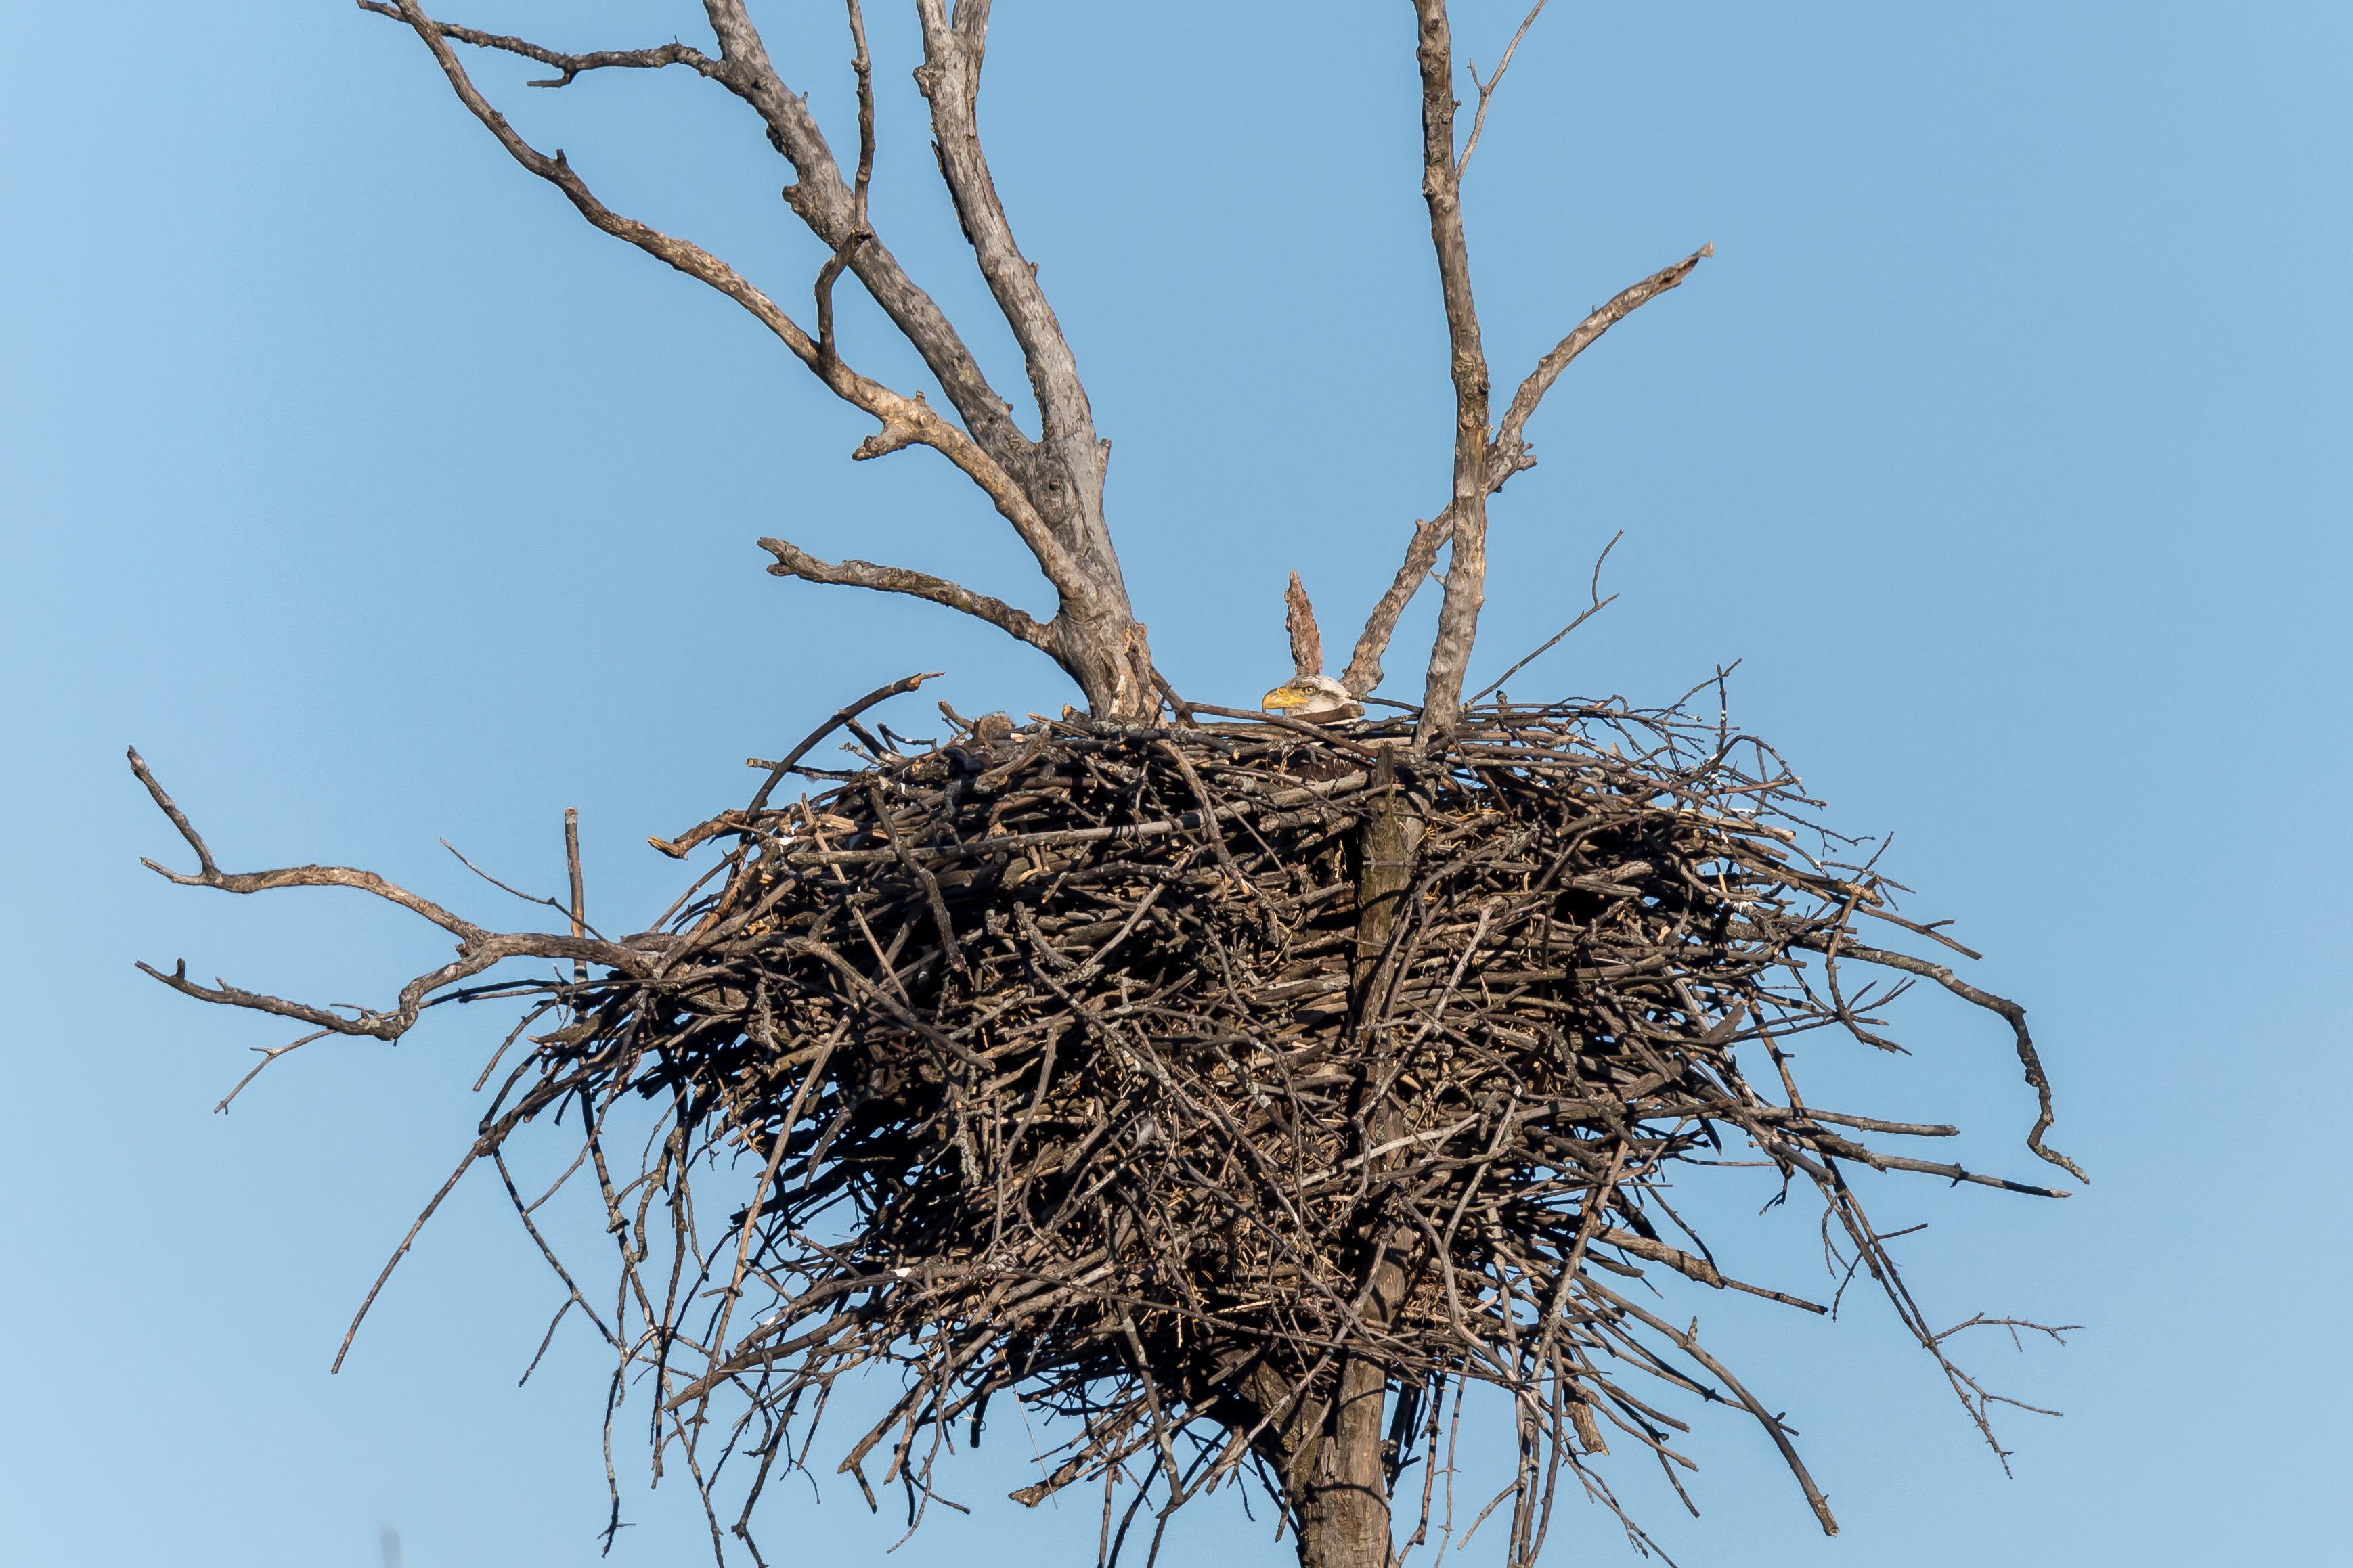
(1224, 1093)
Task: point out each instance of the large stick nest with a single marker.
(1151, 1076)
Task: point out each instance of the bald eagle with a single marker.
(1317, 699)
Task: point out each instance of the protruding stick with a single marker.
(579, 898)
(1299, 620)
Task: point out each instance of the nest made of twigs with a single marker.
(1152, 1076)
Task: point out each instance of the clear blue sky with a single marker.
(378, 500)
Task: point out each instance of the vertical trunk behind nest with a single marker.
(1334, 1469)
(1339, 1488)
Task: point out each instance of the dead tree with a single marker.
(1048, 487)
(1230, 1089)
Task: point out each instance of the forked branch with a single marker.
(1487, 89)
(1484, 457)
(949, 79)
(479, 948)
(1050, 490)
(906, 421)
(209, 875)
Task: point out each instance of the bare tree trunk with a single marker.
(1329, 1449)
(1466, 564)
(1339, 1489)
(1339, 1483)
(1107, 655)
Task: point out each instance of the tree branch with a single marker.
(572, 65)
(1510, 454)
(477, 948)
(861, 66)
(823, 199)
(1591, 610)
(2011, 1013)
(474, 958)
(1364, 672)
(1482, 462)
(794, 562)
(1098, 640)
(1487, 89)
(1466, 571)
(1688, 1342)
(949, 79)
(1507, 454)
(209, 875)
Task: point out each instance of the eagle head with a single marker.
(1316, 699)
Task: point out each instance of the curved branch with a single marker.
(477, 948)
(1509, 455)
(209, 875)
(794, 562)
(416, 995)
(2014, 1015)
(1364, 672)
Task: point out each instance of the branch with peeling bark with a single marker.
(1508, 453)
(1429, 536)
(1299, 622)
